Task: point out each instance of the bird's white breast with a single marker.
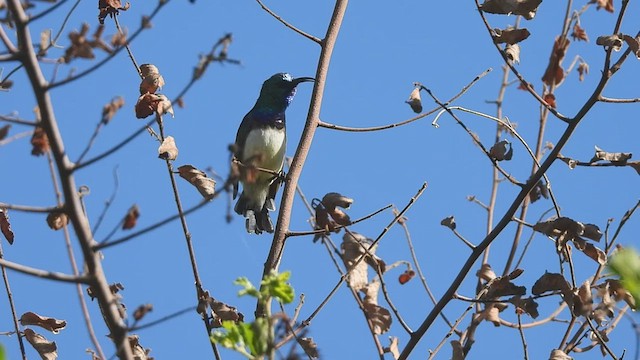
(266, 146)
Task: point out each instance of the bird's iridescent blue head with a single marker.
(279, 89)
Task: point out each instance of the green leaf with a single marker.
(249, 289)
(3, 355)
(260, 339)
(277, 286)
(626, 264)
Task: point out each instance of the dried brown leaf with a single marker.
(557, 354)
(131, 218)
(491, 313)
(449, 222)
(550, 282)
(225, 312)
(4, 131)
(57, 220)
(39, 142)
(579, 33)
(148, 104)
(45, 348)
(502, 150)
(5, 226)
(634, 44)
(502, 286)
(47, 323)
(527, 306)
(168, 149)
(513, 53)
(635, 165)
(393, 347)
(603, 4)
(582, 300)
(379, 317)
(198, 178)
(554, 74)
(151, 79)
(592, 251)
(353, 247)
(583, 69)
(616, 158)
(550, 99)
(619, 293)
(139, 353)
(486, 273)
(332, 201)
(110, 109)
(562, 225)
(526, 8)
(110, 7)
(141, 311)
(612, 41)
(414, 100)
(310, 347)
(510, 35)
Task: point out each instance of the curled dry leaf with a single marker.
(620, 293)
(393, 347)
(550, 99)
(502, 150)
(528, 306)
(47, 349)
(616, 158)
(526, 8)
(168, 149)
(554, 74)
(39, 142)
(492, 312)
(151, 79)
(510, 36)
(139, 353)
(57, 220)
(110, 109)
(225, 312)
(131, 218)
(379, 317)
(198, 178)
(486, 273)
(579, 33)
(612, 41)
(414, 100)
(568, 227)
(449, 222)
(80, 46)
(550, 282)
(513, 53)
(539, 191)
(148, 104)
(111, 8)
(353, 247)
(634, 44)
(603, 4)
(332, 201)
(502, 286)
(591, 251)
(310, 347)
(5, 226)
(557, 354)
(406, 276)
(4, 131)
(583, 69)
(580, 303)
(141, 311)
(48, 323)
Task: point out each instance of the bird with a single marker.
(260, 143)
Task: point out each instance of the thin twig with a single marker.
(44, 274)
(618, 101)
(15, 137)
(408, 121)
(285, 23)
(163, 319)
(524, 341)
(108, 203)
(323, 231)
(12, 305)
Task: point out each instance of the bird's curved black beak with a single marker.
(299, 80)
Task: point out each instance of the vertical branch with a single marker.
(12, 305)
(286, 205)
(74, 264)
(108, 303)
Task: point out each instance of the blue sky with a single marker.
(381, 50)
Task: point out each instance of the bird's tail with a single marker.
(256, 221)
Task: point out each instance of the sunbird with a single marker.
(260, 146)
